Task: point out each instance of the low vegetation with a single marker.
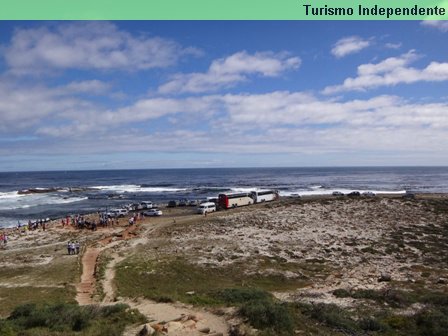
(176, 280)
(274, 318)
(68, 319)
(12, 297)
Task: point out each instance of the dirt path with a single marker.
(86, 288)
(109, 276)
(177, 319)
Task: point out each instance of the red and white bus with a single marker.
(233, 200)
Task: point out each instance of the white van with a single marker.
(120, 212)
(203, 208)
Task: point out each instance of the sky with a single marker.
(199, 94)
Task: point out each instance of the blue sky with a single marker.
(172, 94)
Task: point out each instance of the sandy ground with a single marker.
(354, 240)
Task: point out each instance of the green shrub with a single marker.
(399, 322)
(68, 319)
(438, 299)
(24, 310)
(432, 323)
(371, 324)
(341, 293)
(331, 315)
(268, 315)
(115, 309)
(232, 296)
(163, 299)
(6, 329)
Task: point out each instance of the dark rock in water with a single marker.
(384, 277)
(37, 191)
(79, 189)
(53, 189)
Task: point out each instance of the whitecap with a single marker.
(133, 188)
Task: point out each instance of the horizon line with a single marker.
(236, 167)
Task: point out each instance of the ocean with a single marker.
(56, 194)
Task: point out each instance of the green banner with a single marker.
(223, 10)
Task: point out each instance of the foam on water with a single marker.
(133, 188)
(10, 195)
(244, 189)
(323, 192)
(32, 200)
(9, 222)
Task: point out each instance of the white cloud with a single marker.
(393, 45)
(275, 122)
(142, 111)
(304, 110)
(389, 72)
(22, 107)
(349, 45)
(88, 45)
(437, 24)
(245, 112)
(93, 86)
(226, 72)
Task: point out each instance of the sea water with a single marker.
(91, 191)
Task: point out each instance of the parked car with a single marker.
(369, 194)
(206, 207)
(338, 193)
(409, 195)
(172, 204)
(183, 202)
(153, 212)
(192, 203)
(136, 207)
(354, 194)
(128, 206)
(117, 213)
(146, 205)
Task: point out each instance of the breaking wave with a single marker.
(28, 201)
(319, 191)
(134, 188)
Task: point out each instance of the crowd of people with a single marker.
(84, 222)
(39, 223)
(75, 221)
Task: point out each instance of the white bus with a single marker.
(264, 196)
